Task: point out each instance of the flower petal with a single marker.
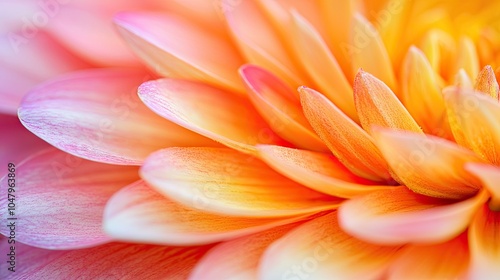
(489, 176)
(347, 141)
(484, 244)
(280, 107)
(467, 58)
(367, 51)
(319, 249)
(317, 171)
(427, 164)
(427, 109)
(229, 183)
(178, 54)
(225, 118)
(60, 199)
(448, 260)
(486, 82)
(226, 261)
(474, 119)
(400, 216)
(377, 105)
(261, 48)
(321, 65)
(110, 261)
(137, 213)
(97, 115)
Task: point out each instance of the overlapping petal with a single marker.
(228, 182)
(97, 115)
(139, 214)
(400, 216)
(59, 199)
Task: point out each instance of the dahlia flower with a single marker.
(269, 139)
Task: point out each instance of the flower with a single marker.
(381, 165)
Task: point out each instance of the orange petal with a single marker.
(228, 182)
(178, 55)
(490, 176)
(319, 249)
(261, 48)
(322, 66)
(278, 104)
(137, 213)
(378, 106)
(484, 243)
(422, 94)
(448, 260)
(486, 82)
(462, 79)
(467, 57)
(317, 171)
(428, 165)
(101, 118)
(475, 122)
(367, 51)
(226, 261)
(225, 118)
(399, 216)
(347, 141)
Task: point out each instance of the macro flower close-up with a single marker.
(250, 139)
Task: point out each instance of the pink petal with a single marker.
(178, 54)
(97, 115)
(319, 249)
(278, 104)
(59, 199)
(137, 213)
(401, 216)
(230, 183)
(239, 258)
(110, 261)
(211, 112)
(318, 171)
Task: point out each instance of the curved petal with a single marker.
(228, 119)
(448, 260)
(97, 115)
(427, 164)
(484, 244)
(110, 261)
(59, 199)
(377, 105)
(317, 171)
(347, 141)
(467, 110)
(226, 261)
(139, 214)
(177, 55)
(229, 183)
(400, 216)
(319, 249)
(279, 106)
(466, 57)
(489, 176)
(486, 82)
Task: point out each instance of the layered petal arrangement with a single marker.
(259, 139)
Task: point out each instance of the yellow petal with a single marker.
(484, 243)
(378, 106)
(428, 165)
(279, 105)
(319, 249)
(486, 82)
(227, 182)
(467, 57)
(317, 171)
(347, 141)
(400, 216)
(422, 94)
(462, 79)
(474, 122)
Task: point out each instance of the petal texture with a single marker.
(59, 199)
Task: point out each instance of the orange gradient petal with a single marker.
(486, 82)
(346, 139)
(490, 176)
(400, 216)
(427, 164)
